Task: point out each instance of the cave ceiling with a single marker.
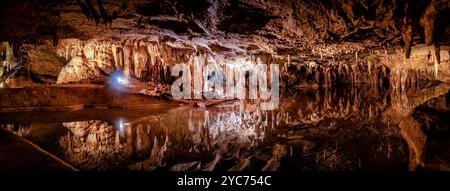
(277, 27)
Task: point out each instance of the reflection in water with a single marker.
(92, 145)
(320, 129)
(164, 140)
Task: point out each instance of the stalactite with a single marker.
(117, 140)
(115, 56)
(135, 54)
(128, 60)
(130, 142)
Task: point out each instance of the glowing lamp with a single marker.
(121, 125)
(118, 80)
(122, 80)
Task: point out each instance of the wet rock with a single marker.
(279, 151)
(426, 131)
(147, 165)
(415, 137)
(184, 166)
(212, 165)
(242, 165)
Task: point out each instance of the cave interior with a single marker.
(218, 85)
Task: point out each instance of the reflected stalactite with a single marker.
(21, 130)
(305, 74)
(409, 80)
(411, 88)
(92, 145)
(225, 137)
(162, 141)
(238, 135)
(312, 106)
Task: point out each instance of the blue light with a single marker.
(122, 80)
(118, 80)
(121, 126)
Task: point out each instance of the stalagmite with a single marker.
(163, 152)
(154, 156)
(142, 141)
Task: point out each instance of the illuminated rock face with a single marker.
(76, 70)
(147, 61)
(7, 57)
(142, 60)
(7, 61)
(88, 60)
(150, 61)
